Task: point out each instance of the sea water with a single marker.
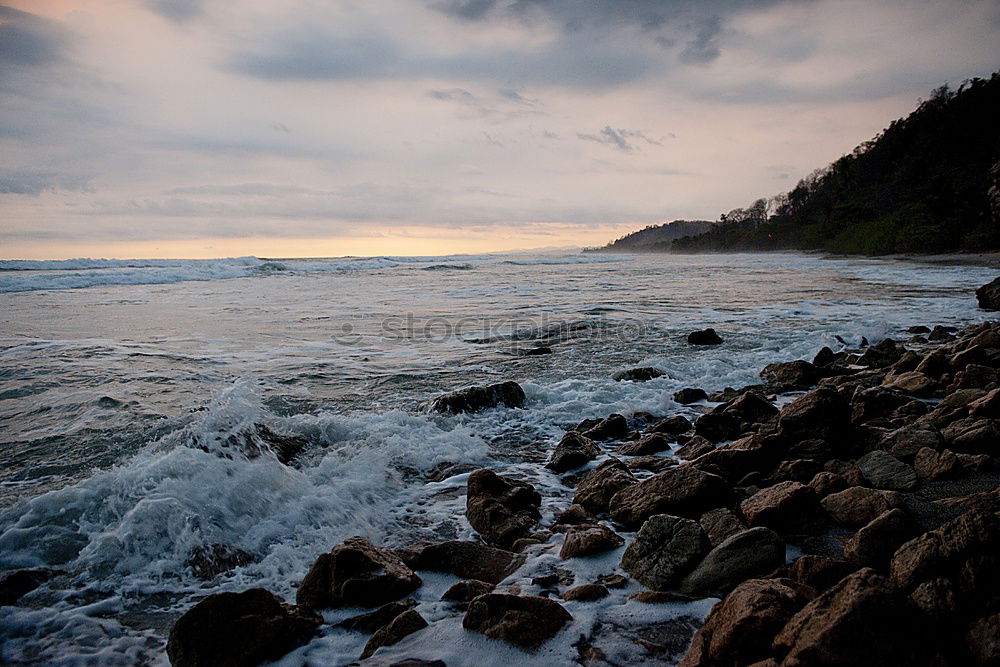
(121, 380)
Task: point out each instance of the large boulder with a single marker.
(573, 451)
(861, 621)
(750, 408)
(474, 399)
(595, 490)
(875, 543)
(821, 413)
(664, 550)
(16, 583)
(245, 628)
(405, 624)
(736, 459)
(717, 426)
(670, 426)
(740, 629)
(858, 505)
(684, 490)
(690, 395)
(988, 295)
(913, 383)
(612, 426)
(466, 559)
(885, 471)
(501, 509)
(907, 440)
(973, 436)
(882, 354)
(589, 539)
(819, 572)
(704, 337)
(373, 620)
(522, 620)
(694, 447)
(719, 524)
(790, 375)
(787, 507)
(650, 443)
(355, 573)
(642, 374)
(752, 553)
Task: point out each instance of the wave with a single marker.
(565, 260)
(447, 267)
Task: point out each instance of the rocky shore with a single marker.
(844, 511)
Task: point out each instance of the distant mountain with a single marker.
(656, 238)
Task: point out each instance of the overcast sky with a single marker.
(207, 128)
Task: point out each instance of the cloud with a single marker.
(179, 11)
(704, 48)
(506, 105)
(28, 40)
(36, 182)
(619, 138)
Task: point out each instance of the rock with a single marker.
(954, 406)
(522, 620)
(448, 469)
(586, 593)
(474, 399)
(741, 457)
(684, 490)
(613, 580)
(934, 364)
(824, 483)
(651, 463)
(973, 436)
(690, 395)
(752, 553)
(876, 403)
(466, 559)
(355, 573)
(694, 448)
(720, 524)
(930, 464)
(372, 621)
(820, 413)
(942, 333)
(860, 621)
(245, 628)
(670, 426)
(467, 590)
(974, 376)
(717, 426)
(790, 375)
(786, 507)
(983, 637)
(937, 599)
(875, 543)
(798, 470)
(209, 560)
(819, 572)
(704, 337)
(595, 490)
(611, 427)
(664, 550)
(405, 624)
(501, 509)
(750, 408)
(739, 630)
(16, 583)
(885, 471)
(573, 451)
(987, 406)
(913, 383)
(417, 662)
(575, 514)
(638, 374)
(882, 354)
(988, 295)
(589, 539)
(858, 505)
(536, 351)
(825, 357)
(907, 440)
(647, 444)
(659, 597)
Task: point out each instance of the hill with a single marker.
(656, 237)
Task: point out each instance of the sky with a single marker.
(282, 128)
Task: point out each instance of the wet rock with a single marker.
(670, 426)
(245, 628)
(987, 406)
(664, 550)
(875, 543)
(611, 427)
(954, 406)
(753, 553)
(881, 355)
(651, 463)
(210, 560)
(16, 583)
(798, 470)
(824, 483)
(257, 441)
(589, 539)
(820, 413)
(740, 629)
(573, 451)
(825, 357)
(659, 597)
(860, 621)
(448, 469)
(790, 375)
(716, 427)
(906, 441)
(595, 490)
(405, 624)
(521, 620)
(973, 436)
(719, 524)
(934, 364)
(685, 490)
(643, 374)
(355, 573)
(913, 383)
(417, 662)
(930, 464)
(613, 580)
(372, 621)
(473, 399)
(467, 590)
(859, 505)
(786, 507)
(937, 599)
(942, 333)
(648, 444)
(585, 593)
(876, 403)
(536, 351)
(750, 408)
(974, 376)
(983, 638)
(501, 509)
(885, 471)
(819, 572)
(690, 395)
(704, 337)
(575, 514)
(694, 448)
(739, 458)
(466, 559)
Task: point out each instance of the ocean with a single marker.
(122, 381)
